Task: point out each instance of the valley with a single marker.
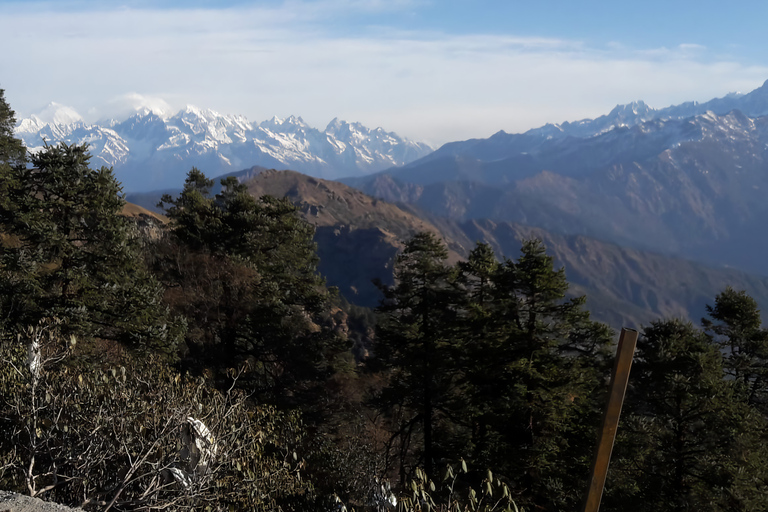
(651, 212)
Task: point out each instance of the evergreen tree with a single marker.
(70, 255)
(687, 442)
(734, 325)
(263, 302)
(493, 363)
(478, 352)
(534, 361)
(12, 150)
(414, 335)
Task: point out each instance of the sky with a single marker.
(432, 70)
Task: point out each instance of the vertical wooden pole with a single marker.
(618, 387)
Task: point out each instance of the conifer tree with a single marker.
(687, 442)
(533, 364)
(70, 255)
(413, 342)
(12, 150)
(734, 324)
(257, 263)
(478, 351)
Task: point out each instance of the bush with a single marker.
(139, 436)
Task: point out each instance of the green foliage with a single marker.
(243, 272)
(493, 358)
(534, 365)
(111, 437)
(687, 442)
(735, 327)
(12, 150)
(413, 342)
(69, 253)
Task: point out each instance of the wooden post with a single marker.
(618, 387)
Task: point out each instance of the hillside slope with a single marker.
(691, 187)
(357, 235)
(358, 238)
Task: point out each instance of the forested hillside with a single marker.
(358, 237)
(682, 181)
(200, 361)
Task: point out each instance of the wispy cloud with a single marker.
(288, 58)
(124, 105)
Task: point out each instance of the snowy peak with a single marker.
(636, 109)
(753, 104)
(58, 114)
(348, 132)
(150, 150)
(142, 125)
(289, 124)
(604, 143)
(31, 124)
(344, 129)
(334, 125)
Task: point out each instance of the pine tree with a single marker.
(534, 360)
(687, 442)
(70, 255)
(12, 150)
(263, 299)
(413, 342)
(478, 352)
(734, 324)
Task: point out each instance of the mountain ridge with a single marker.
(359, 237)
(686, 187)
(152, 151)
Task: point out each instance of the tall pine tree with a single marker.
(687, 442)
(413, 343)
(70, 255)
(12, 150)
(734, 324)
(244, 272)
(534, 365)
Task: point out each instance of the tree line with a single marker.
(206, 364)
(490, 359)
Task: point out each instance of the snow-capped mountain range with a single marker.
(753, 104)
(151, 151)
(688, 180)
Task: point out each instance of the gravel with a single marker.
(12, 502)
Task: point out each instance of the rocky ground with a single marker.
(12, 502)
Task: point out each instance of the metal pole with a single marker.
(618, 387)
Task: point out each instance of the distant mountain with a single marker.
(693, 187)
(359, 237)
(151, 151)
(502, 144)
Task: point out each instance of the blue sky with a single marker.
(433, 70)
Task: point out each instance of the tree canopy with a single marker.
(69, 254)
(266, 302)
(12, 150)
(491, 360)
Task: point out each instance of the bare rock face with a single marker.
(12, 502)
